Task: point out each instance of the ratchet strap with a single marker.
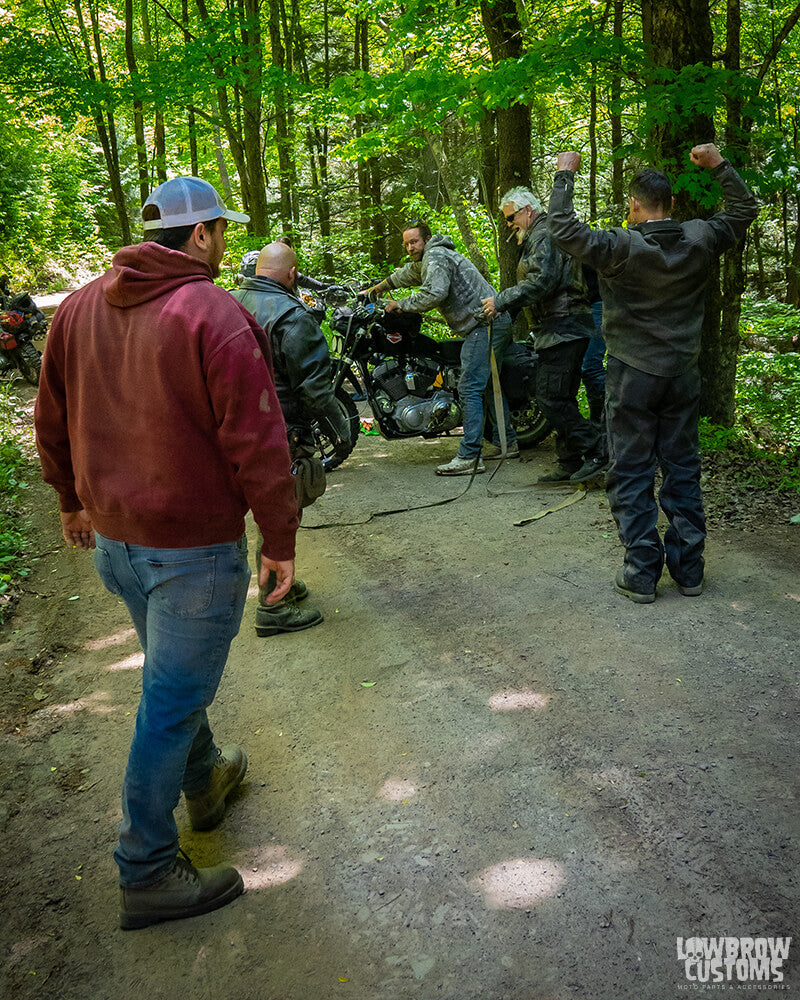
(579, 494)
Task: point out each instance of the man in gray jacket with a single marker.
(303, 383)
(453, 285)
(653, 278)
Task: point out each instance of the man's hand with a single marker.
(374, 291)
(76, 526)
(706, 155)
(391, 306)
(569, 161)
(284, 574)
(489, 310)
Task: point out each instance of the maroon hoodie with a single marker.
(157, 412)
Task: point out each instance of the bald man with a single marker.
(303, 382)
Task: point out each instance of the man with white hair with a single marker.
(551, 292)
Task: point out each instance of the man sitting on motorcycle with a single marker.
(303, 383)
(453, 285)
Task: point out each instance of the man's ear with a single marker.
(293, 273)
(200, 236)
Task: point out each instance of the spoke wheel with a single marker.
(333, 457)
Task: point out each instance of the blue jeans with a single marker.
(476, 375)
(593, 371)
(186, 606)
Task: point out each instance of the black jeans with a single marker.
(558, 378)
(652, 421)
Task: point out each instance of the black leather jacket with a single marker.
(300, 356)
(550, 290)
(653, 275)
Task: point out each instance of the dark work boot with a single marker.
(561, 474)
(591, 469)
(297, 592)
(637, 596)
(285, 616)
(186, 891)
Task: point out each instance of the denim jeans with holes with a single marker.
(186, 605)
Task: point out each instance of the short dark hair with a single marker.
(652, 188)
(176, 237)
(423, 227)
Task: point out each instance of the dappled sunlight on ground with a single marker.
(263, 867)
(133, 662)
(96, 702)
(252, 590)
(519, 883)
(512, 700)
(117, 639)
(397, 789)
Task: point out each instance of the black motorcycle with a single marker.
(411, 380)
(20, 321)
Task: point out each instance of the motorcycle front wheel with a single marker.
(531, 425)
(333, 455)
(29, 362)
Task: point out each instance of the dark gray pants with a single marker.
(558, 378)
(652, 421)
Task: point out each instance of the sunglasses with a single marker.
(510, 218)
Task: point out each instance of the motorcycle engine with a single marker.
(409, 396)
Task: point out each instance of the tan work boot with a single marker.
(207, 809)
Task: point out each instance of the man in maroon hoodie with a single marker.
(158, 425)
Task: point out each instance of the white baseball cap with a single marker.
(184, 201)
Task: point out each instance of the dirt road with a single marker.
(486, 775)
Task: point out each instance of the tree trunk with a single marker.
(504, 34)
(284, 138)
(191, 121)
(593, 150)
(104, 121)
(487, 171)
(138, 112)
(457, 204)
(677, 33)
(719, 351)
(362, 167)
(251, 118)
(617, 192)
(793, 271)
(159, 137)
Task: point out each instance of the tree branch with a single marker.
(780, 38)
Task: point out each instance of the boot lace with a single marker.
(184, 868)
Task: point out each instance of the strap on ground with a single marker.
(397, 510)
(579, 494)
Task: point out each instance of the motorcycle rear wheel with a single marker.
(531, 425)
(333, 455)
(29, 362)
